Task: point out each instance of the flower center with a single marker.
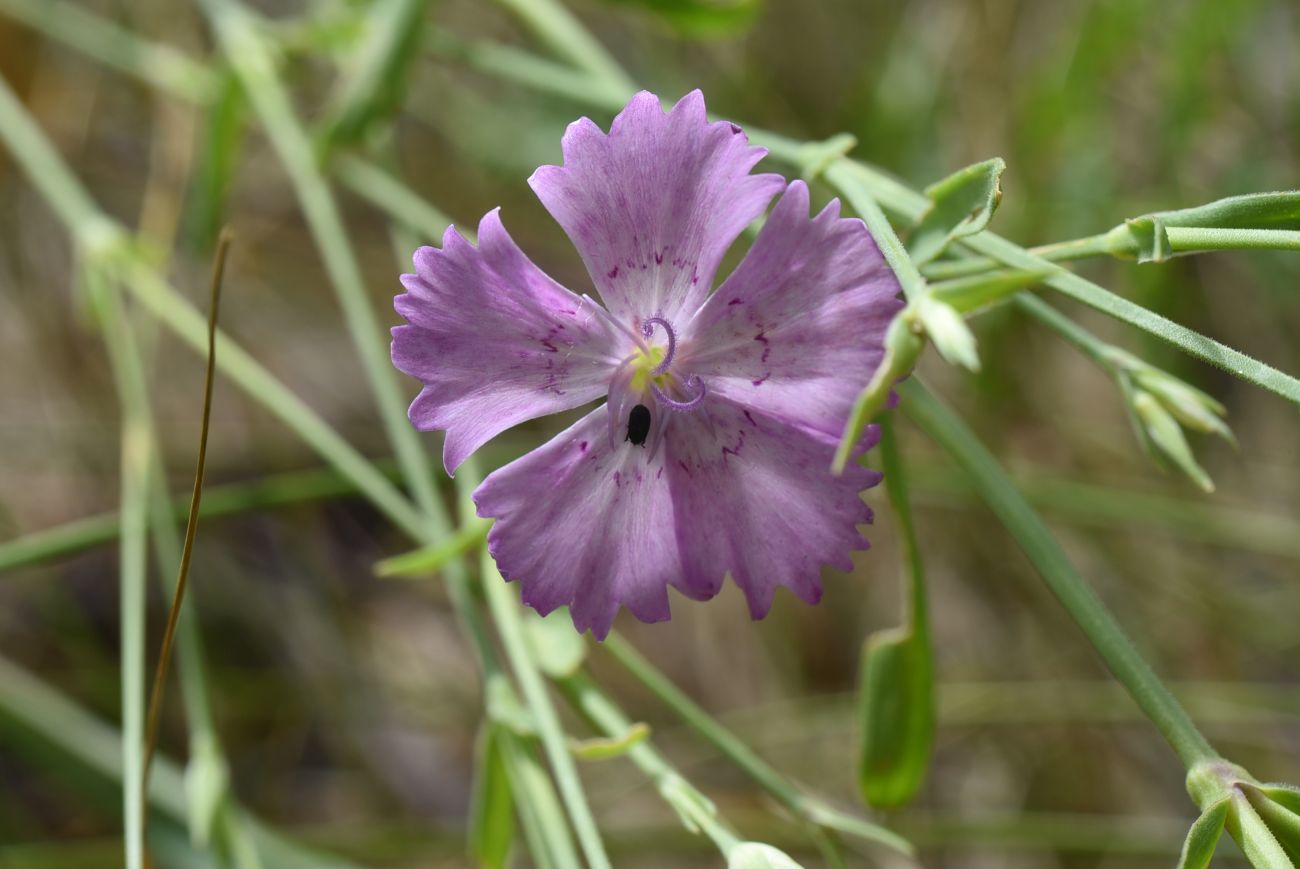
(660, 377)
(646, 368)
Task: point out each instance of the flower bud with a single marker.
(948, 332)
(1163, 437)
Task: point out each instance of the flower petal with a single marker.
(595, 527)
(494, 339)
(755, 498)
(585, 524)
(653, 206)
(799, 327)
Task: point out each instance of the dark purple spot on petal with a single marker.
(736, 301)
(759, 381)
(613, 273)
(660, 472)
(550, 348)
(735, 131)
(617, 479)
(684, 468)
(659, 258)
(583, 446)
(748, 417)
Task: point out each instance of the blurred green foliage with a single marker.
(348, 705)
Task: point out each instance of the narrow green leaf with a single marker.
(1287, 796)
(491, 815)
(1281, 820)
(1149, 233)
(960, 205)
(1253, 835)
(604, 748)
(428, 560)
(1089, 613)
(1277, 210)
(1203, 837)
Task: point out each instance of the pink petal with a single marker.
(653, 205)
(596, 528)
(585, 525)
(798, 328)
(756, 499)
(494, 340)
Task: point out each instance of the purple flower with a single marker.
(711, 454)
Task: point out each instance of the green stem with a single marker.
(505, 611)
(1061, 251)
(136, 449)
(1087, 610)
(1196, 239)
(248, 54)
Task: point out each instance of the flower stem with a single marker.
(1083, 605)
(1061, 251)
(505, 611)
(136, 448)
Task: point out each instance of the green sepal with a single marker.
(1203, 837)
(960, 205)
(491, 827)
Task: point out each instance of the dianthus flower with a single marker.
(711, 454)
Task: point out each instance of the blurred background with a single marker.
(348, 704)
